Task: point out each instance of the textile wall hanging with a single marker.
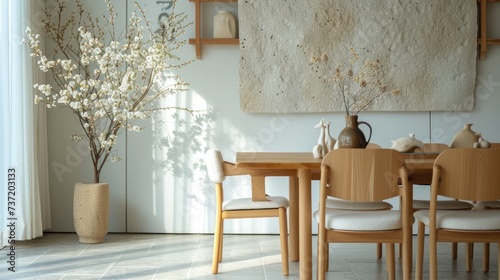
(427, 49)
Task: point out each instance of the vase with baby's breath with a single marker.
(359, 86)
(108, 78)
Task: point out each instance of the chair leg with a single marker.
(433, 256)
(217, 254)
(420, 251)
(454, 247)
(390, 260)
(470, 253)
(400, 250)
(498, 258)
(406, 253)
(321, 259)
(379, 250)
(284, 240)
(486, 257)
(327, 257)
(221, 243)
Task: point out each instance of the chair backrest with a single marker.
(363, 174)
(214, 163)
(316, 174)
(494, 145)
(467, 174)
(373, 146)
(434, 147)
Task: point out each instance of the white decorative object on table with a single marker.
(318, 149)
(481, 143)
(465, 138)
(329, 140)
(326, 142)
(407, 144)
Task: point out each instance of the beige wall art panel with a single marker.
(427, 48)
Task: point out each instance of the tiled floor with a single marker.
(172, 256)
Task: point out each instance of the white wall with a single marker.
(162, 188)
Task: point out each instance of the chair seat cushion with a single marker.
(462, 219)
(442, 205)
(354, 205)
(361, 220)
(481, 205)
(247, 203)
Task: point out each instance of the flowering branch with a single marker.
(107, 81)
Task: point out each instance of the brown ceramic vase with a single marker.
(352, 136)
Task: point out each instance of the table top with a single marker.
(289, 160)
(419, 164)
(277, 160)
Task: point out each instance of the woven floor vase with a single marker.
(91, 211)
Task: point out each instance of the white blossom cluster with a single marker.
(359, 86)
(108, 82)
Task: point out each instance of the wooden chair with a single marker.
(442, 204)
(270, 206)
(340, 204)
(494, 145)
(487, 205)
(365, 175)
(464, 174)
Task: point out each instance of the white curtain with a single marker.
(24, 204)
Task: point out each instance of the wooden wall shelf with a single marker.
(482, 40)
(198, 41)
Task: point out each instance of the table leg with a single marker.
(305, 231)
(294, 219)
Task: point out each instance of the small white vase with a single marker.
(91, 211)
(465, 138)
(224, 25)
(407, 144)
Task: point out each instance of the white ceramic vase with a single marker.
(224, 25)
(91, 211)
(465, 138)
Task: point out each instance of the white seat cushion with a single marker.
(247, 203)
(354, 205)
(462, 219)
(442, 205)
(481, 205)
(361, 220)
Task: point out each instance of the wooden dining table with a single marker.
(300, 211)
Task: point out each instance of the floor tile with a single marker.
(189, 256)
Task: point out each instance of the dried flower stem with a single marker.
(359, 86)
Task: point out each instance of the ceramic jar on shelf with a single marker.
(224, 25)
